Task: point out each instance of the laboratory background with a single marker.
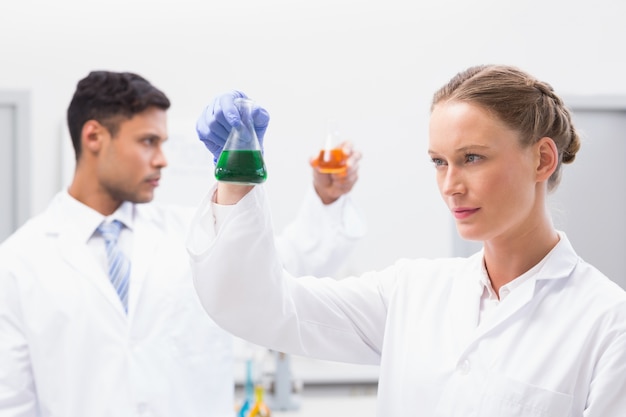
(371, 67)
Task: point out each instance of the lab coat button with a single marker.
(464, 367)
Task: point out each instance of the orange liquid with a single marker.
(331, 161)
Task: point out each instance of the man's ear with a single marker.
(92, 135)
(547, 158)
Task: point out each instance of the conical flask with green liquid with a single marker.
(241, 160)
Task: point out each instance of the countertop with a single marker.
(333, 406)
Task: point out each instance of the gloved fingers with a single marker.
(219, 129)
(210, 125)
(202, 124)
(261, 119)
(225, 110)
(226, 114)
(217, 120)
(211, 132)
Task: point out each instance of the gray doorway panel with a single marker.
(589, 203)
(15, 185)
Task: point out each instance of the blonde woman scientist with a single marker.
(524, 327)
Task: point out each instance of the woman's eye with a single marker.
(472, 158)
(437, 162)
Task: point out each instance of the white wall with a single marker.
(372, 65)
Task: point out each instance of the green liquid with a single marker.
(243, 167)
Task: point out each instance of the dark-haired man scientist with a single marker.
(98, 315)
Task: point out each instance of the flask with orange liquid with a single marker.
(332, 159)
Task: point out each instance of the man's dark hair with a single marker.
(109, 98)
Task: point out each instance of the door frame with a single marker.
(20, 102)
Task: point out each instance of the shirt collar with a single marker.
(86, 219)
(558, 263)
(509, 287)
(125, 214)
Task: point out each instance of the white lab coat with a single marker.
(68, 350)
(556, 346)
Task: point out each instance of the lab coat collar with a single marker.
(557, 264)
(83, 219)
(73, 217)
(560, 261)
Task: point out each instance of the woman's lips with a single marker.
(463, 212)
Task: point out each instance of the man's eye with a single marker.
(472, 157)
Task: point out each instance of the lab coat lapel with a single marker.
(76, 253)
(466, 295)
(465, 298)
(146, 237)
(513, 303)
(469, 336)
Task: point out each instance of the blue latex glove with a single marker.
(219, 117)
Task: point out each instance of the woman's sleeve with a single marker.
(241, 283)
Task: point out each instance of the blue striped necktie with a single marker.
(119, 265)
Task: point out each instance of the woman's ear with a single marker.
(547, 158)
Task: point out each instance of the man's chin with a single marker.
(142, 199)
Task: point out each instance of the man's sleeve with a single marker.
(321, 237)
(17, 388)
